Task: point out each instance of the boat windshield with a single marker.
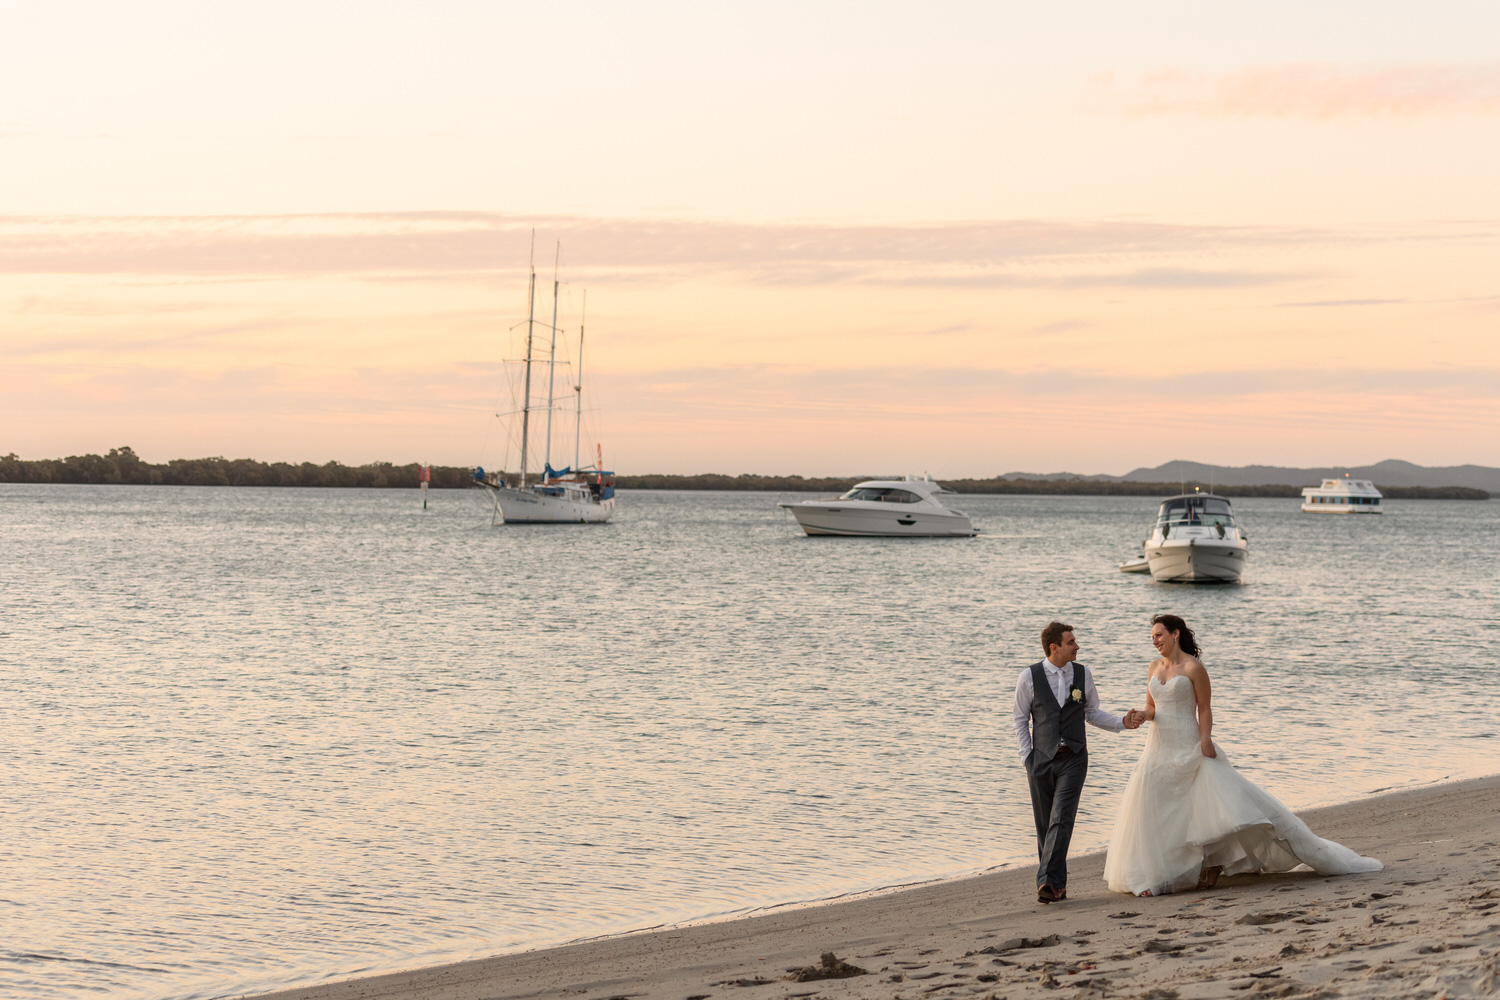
(882, 495)
(1195, 510)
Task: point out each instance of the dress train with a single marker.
(1182, 812)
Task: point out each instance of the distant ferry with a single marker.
(1342, 496)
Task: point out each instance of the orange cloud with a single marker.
(953, 421)
(977, 346)
(1309, 90)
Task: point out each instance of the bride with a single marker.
(1187, 816)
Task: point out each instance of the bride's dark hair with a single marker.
(1185, 637)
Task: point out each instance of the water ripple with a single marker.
(259, 737)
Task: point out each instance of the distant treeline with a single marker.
(1047, 487)
(123, 466)
(1432, 493)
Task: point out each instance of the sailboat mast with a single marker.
(552, 358)
(578, 389)
(526, 397)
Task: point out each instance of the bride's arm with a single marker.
(1150, 712)
(1199, 677)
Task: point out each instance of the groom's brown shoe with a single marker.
(1045, 894)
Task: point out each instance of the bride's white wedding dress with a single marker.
(1182, 812)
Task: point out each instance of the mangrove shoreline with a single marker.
(121, 466)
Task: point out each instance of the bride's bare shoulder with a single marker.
(1155, 667)
(1195, 666)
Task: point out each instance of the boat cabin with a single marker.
(1342, 496)
(1197, 509)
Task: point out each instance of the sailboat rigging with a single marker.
(574, 495)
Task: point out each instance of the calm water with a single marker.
(258, 737)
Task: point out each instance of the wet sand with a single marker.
(1428, 925)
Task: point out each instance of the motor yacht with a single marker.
(883, 507)
(1196, 540)
(1342, 496)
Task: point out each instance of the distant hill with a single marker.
(1391, 472)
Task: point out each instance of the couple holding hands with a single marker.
(1186, 815)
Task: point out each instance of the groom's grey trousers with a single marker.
(1056, 786)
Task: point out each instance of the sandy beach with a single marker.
(1428, 925)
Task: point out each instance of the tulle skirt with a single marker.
(1182, 812)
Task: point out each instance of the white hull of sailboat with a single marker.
(537, 506)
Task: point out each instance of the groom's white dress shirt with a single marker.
(1057, 680)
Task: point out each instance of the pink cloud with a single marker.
(1311, 90)
(449, 243)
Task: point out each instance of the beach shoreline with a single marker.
(1428, 924)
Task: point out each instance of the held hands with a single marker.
(1134, 718)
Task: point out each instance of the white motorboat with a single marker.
(1342, 496)
(1137, 564)
(1196, 540)
(883, 507)
(574, 495)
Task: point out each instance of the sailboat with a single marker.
(576, 494)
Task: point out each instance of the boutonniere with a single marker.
(1076, 694)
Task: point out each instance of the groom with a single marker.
(1054, 698)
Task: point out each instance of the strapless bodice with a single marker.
(1178, 692)
(1176, 722)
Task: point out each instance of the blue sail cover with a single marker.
(555, 473)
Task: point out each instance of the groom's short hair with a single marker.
(1052, 636)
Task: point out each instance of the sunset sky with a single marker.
(829, 238)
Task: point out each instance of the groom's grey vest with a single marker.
(1051, 723)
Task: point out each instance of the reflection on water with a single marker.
(257, 737)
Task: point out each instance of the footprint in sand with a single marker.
(1269, 917)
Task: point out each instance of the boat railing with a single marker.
(785, 497)
(1205, 521)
